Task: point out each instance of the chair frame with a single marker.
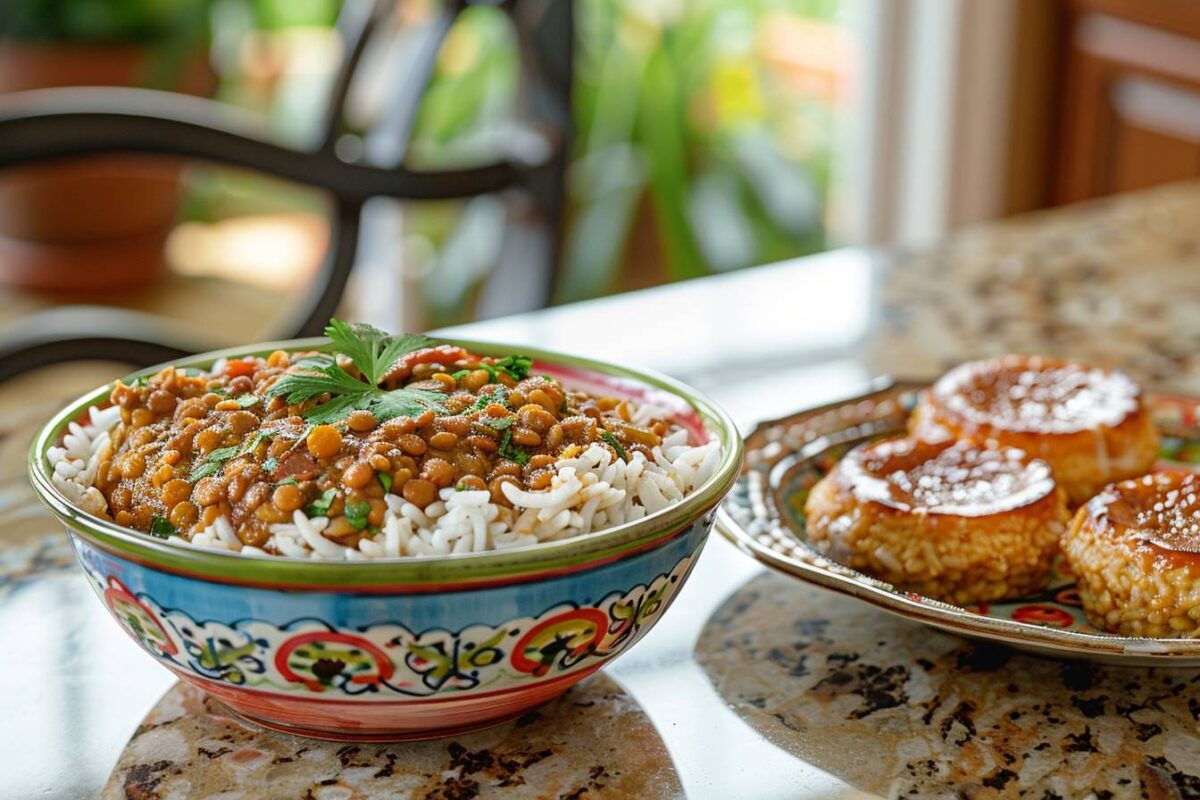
(52, 124)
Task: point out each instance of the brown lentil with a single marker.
(419, 492)
(361, 421)
(287, 497)
(173, 423)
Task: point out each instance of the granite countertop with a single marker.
(754, 685)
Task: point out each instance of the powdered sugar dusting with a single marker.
(945, 478)
(1163, 509)
(1037, 395)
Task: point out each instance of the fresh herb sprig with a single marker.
(374, 353)
(615, 445)
(516, 367)
(511, 451)
(320, 506)
(212, 463)
(356, 514)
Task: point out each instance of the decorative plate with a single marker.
(764, 516)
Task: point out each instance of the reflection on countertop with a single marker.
(894, 707)
(592, 742)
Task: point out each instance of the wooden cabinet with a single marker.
(1129, 114)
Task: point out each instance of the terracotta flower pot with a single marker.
(92, 222)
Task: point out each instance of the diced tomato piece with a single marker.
(298, 464)
(236, 367)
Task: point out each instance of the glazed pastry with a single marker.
(1089, 424)
(948, 520)
(1135, 553)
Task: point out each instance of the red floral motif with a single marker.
(569, 636)
(137, 618)
(1069, 597)
(1042, 614)
(356, 660)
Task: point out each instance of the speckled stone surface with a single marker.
(593, 743)
(1116, 282)
(898, 709)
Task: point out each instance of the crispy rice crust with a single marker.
(964, 560)
(1128, 585)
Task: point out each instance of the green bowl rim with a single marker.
(442, 569)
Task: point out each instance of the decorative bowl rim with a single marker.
(776, 547)
(427, 571)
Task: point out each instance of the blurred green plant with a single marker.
(170, 30)
(686, 131)
(105, 21)
(681, 113)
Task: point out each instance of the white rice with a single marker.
(588, 493)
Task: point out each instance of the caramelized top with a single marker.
(945, 477)
(1032, 394)
(1161, 511)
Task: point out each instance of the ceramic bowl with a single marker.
(401, 648)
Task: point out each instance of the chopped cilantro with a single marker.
(499, 423)
(271, 464)
(385, 480)
(290, 480)
(320, 506)
(511, 451)
(161, 527)
(500, 397)
(517, 367)
(356, 515)
(246, 400)
(212, 463)
(460, 374)
(612, 441)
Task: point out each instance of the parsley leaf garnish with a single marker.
(374, 353)
(161, 527)
(316, 360)
(212, 463)
(320, 506)
(499, 423)
(385, 480)
(516, 366)
(356, 515)
(500, 397)
(511, 451)
(612, 441)
(246, 400)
